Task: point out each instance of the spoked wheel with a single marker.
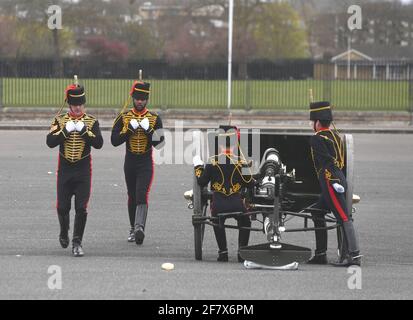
(199, 229)
(349, 162)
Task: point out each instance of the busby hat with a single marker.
(321, 111)
(140, 90)
(75, 95)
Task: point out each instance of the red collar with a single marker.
(140, 113)
(323, 129)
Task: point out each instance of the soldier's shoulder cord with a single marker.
(213, 160)
(60, 116)
(119, 116)
(90, 120)
(89, 116)
(152, 114)
(322, 134)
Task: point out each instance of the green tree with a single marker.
(279, 33)
(266, 31)
(33, 37)
(8, 34)
(142, 41)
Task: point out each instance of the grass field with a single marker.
(255, 94)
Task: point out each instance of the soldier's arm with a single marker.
(93, 136)
(248, 180)
(158, 138)
(203, 175)
(56, 135)
(244, 171)
(118, 137)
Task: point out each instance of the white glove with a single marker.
(70, 126)
(338, 187)
(145, 124)
(197, 161)
(79, 126)
(134, 123)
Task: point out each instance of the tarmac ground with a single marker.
(112, 268)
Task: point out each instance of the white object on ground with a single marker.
(253, 265)
(168, 266)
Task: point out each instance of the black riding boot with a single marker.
(221, 238)
(243, 235)
(78, 231)
(64, 221)
(140, 222)
(320, 256)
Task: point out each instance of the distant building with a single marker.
(369, 63)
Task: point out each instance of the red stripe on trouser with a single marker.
(150, 183)
(336, 202)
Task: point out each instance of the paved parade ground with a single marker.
(115, 269)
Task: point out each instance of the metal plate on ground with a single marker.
(263, 254)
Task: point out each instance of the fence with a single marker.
(258, 85)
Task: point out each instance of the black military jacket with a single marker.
(139, 142)
(74, 146)
(225, 174)
(327, 151)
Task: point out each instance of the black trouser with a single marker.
(138, 175)
(319, 222)
(73, 180)
(233, 203)
(336, 203)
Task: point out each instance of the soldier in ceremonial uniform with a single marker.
(327, 150)
(224, 172)
(75, 132)
(140, 129)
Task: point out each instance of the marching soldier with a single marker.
(75, 132)
(224, 172)
(140, 129)
(328, 155)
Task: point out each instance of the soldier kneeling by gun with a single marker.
(224, 172)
